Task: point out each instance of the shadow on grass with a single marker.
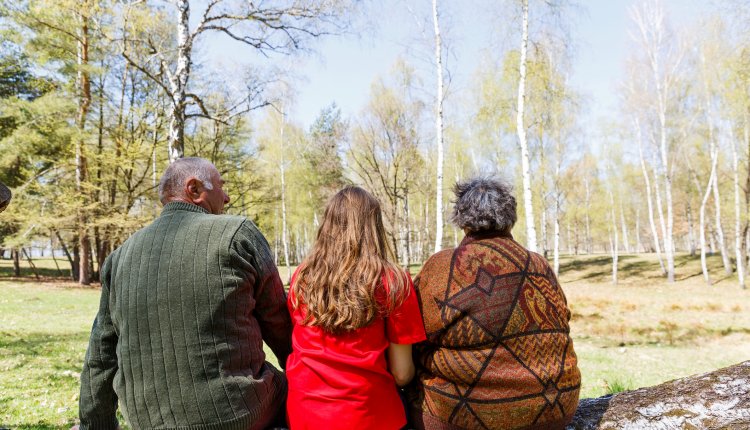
(37, 344)
(40, 426)
(6, 271)
(598, 268)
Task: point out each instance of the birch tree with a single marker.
(528, 202)
(708, 80)
(264, 27)
(709, 188)
(663, 57)
(438, 129)
(384, 152)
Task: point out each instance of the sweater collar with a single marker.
(484, 234)
(182, 206)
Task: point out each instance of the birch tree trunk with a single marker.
(715, 186)
(719, 229)
(667, 177)
(650, 20)
(557, 194)
(588, 217)
(649, 197)
(439, 131)
(284, 230)
(557, 236)
(737, 217)
(543, 226)
(662, 223)
(178, 81)
(706, 195)
(84, 102)
(406, 229)
(615, 245)
(521, 130)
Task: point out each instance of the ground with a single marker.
(638, 333)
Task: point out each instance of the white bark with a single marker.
(706, 195)
(521, 131)
(662, 223)
(557, 194)
(439, 131)
(543, 226)
(557, 236)
(651, 23)
(282, 169)
(715, 187)
(178, 81)
(406, 235)
(587, 185)
(720, 229)
(716, 400)
(614, 246)
(737, 217)
(649, 197)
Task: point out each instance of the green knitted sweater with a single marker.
(185, 307)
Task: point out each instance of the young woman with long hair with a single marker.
(355, 316)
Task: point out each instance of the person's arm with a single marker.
(400, 363)
(404, 328)
(270, 300)
(98, 401)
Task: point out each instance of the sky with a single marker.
(343, 68)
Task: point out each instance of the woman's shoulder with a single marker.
(439, 258)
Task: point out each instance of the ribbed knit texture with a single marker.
(186, 304)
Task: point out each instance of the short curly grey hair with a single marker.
(484, 204)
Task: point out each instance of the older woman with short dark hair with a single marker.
(498, 352)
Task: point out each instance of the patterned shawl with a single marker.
(498, 353)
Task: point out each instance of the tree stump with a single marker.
(5, 196)
(715, 400)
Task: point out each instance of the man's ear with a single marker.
(192, 188)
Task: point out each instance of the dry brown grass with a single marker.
(645, 331)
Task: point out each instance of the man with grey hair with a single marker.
(498, 352)
(186, 305)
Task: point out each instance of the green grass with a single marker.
(639, 333)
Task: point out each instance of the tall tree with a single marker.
(439, 129)
(384, 153)
(62, 31)
(663, 57)
(528, 202)
(266, 28)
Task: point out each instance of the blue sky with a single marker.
(344, 67)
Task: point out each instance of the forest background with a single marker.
(97, 97)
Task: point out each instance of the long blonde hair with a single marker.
(341, 281)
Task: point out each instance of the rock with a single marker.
(5, 196)
(715, 400)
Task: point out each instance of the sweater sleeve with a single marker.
(98, 401)
(268, 292)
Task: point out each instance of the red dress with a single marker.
(342, 381)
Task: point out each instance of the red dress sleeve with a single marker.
(404, 325)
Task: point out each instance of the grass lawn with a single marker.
(639, 333)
